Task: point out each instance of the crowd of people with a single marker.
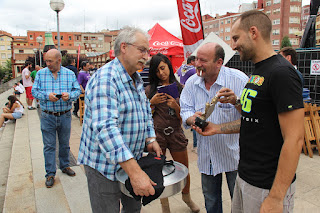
(254, 134)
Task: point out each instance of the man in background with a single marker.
(291, 55)
(27, 83)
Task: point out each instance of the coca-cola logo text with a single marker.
(191, 21)
(167, 43)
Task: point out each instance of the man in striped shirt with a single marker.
(56, 87)
(117, 125)
(217, 153)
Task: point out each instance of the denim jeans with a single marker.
(211, 188)
(194, 138)
(50, 126)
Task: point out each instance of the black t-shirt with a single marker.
(274, 87)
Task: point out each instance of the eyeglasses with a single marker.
(143, 50)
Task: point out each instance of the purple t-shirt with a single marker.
(83, 78)
(185, 71)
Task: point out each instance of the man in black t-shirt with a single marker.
(272, 131)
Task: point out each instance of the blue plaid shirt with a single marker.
(45, 83)
(117, 120)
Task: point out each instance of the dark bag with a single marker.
(152, 166)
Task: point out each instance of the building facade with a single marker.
(6, 40)
(285, 16)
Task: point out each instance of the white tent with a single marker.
(212, 37)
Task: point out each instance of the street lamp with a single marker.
(35, 56)
(39, 40)
(57, 5)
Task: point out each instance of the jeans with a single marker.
(50, 125)
(194, 138)
(105, 195)
(211, 188)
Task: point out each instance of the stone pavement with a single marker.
(22, 187)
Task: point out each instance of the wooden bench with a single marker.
(312, 129)
(81, 107)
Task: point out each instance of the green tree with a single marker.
(285, 42)
(6, 72)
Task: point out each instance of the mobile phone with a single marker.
(59, 95)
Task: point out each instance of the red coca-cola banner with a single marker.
(191, 25)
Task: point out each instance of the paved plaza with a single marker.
(22, 187)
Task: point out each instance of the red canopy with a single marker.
(162, 41)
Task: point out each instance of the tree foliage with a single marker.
(6, 72)
(285, 42)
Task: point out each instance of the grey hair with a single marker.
(127, 35)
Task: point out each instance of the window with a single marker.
(275, 11)
(8, 47)
(3, 56)
(294, 20)
(2, 47)
(294, 9)
(61, 37)
(21, 51)
(227, 29)
(275, 42)
(268, 12)
(55, 37)
(100, 38)
(276, 1)
(276, 32)
(9, 55)
(93, 45)
(276, 22)
(1, 39)
(69, 37)
(221, 30)
(295, 0)
(31, 37)
(210, 26)
(227, 38)
(268, 3)
(221, 22)
(70, 45)
(294, 41)
(293, 30)
(228, 21)
(31, 44)
(205, 27)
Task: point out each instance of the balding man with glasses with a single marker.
(117, 126)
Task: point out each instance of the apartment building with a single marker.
(285, 16)
(305, 13)
(5, 47)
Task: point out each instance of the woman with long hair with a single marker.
(13, 111)
(167, 120)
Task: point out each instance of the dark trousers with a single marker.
(105, 195)
(76, 106)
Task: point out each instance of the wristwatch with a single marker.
(238, 101)
(150, 141)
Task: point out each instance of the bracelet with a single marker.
(150, 141)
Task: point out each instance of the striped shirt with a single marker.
(45, 83)
(218, 153)
(117, 119)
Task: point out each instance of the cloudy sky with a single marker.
(18, 16)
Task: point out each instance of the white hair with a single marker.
(127, 35)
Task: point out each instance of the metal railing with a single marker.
(311, 82)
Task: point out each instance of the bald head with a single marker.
(53, 60)
(213, 49)
(54, 53)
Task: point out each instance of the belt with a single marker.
(167, 130)
(56, 113)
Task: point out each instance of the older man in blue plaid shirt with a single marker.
(56, 87)
(117, 126)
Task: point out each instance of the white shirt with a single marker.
(218, 153)
(19, 109)
(27, 82)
